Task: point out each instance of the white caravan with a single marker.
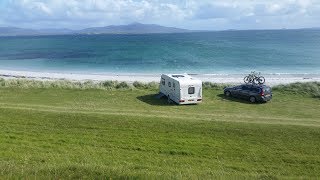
(181, 88)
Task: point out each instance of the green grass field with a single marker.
(126, 133)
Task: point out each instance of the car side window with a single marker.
(255, 90)
(245, 88)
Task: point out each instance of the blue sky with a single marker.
(189, 14)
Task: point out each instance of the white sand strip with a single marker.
(271, 79)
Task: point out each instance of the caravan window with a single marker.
(163, 81)
(174, 85)
(177, 76)
(169, 84)
(191, 90)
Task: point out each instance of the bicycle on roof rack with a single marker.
(254, 78)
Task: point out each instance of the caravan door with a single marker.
(172, 91)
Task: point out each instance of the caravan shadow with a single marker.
(152, 100)
(223, 97)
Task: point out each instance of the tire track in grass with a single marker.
(160, 114)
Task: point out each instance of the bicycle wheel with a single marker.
(261, 80)
(247, 79)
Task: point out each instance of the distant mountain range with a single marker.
(134, 28)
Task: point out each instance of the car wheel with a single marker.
(228, 93)
(252, 99)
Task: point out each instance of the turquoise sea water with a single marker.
(228, 52)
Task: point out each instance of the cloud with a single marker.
(276, 9)
(192, 14)
(90, 11)
(209, 11)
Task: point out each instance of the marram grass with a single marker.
(67, 84)
(308, 88)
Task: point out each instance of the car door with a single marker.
(236, 91)
(244, 92)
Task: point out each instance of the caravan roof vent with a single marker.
(177, 76)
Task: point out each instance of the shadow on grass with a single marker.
(222, 96)
(152, 100)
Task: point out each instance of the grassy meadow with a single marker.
(115, 130)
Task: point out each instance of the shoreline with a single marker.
(271, 79)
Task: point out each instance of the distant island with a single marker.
(134, 28)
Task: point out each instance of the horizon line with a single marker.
(133, 23)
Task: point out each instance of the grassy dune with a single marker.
(124, 132)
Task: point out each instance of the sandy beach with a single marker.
(271, 79)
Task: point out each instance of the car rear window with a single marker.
(267, 89)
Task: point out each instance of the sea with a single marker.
(220, 52)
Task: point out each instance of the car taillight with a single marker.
(181, 100)
(262, 92)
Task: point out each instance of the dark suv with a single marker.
(253, 93)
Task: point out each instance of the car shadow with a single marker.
(224, 97)
(152, 100)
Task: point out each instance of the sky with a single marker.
(188, 14)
